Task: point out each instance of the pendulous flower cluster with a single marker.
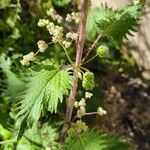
(56, 31)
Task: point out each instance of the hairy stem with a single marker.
(79, 53)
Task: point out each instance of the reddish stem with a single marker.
(91, 48)
(82, 29)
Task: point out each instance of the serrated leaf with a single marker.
(100, 15)
(91, 140)
(114, 24)
(125, 21)
(45, 89)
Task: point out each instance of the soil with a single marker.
(127, 101)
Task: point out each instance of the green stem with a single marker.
(65, 50)
(90, 59)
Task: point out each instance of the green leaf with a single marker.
(91, 140)
(4, 133)
(114, 24)
(125, 21)
(13, 83)
(39, 138)
(4, 3)
(100, 15)
(45, 89)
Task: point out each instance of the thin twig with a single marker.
(90, 113)
(91, 48)
(90, 59)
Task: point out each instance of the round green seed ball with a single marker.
(102, 51)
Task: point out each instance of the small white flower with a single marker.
(69, 35)
(59, 18)
(76, 105)
(43, 22)
(42, 45)
(82, 102)
(101, 111)
(51, 28)
(66, 44)
(51, 12)
(75, 17)
(68, 18)
(88, 95)
(81, 112)
(72, 36)
(27, 58)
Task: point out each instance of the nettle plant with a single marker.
(48, 85)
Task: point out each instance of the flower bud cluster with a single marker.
(73, 17)
(73, 36)
(27, 58)
(56, 32)
(101, 111)
(88, 80)
(43, 22)
(81, 107)
(77, 127)
(54, 15)
(42, 45)
(66, 44)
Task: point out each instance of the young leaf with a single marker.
(45, 89)
(91, 140)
